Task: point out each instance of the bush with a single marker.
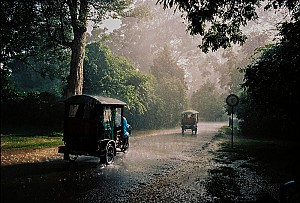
(40, 110)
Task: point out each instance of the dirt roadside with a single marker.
(21, 156)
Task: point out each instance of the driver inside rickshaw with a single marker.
(126, 130)
(193, 116)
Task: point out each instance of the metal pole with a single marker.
(232, 127)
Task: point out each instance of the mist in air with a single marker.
(140, 37)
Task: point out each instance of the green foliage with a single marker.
(114, 76)
(41, 34)
(220, 22)
(28, 25)
(8, 91)
(42, 110)
(26, 79)
(152, 102)
(169, 88)
(209, 102)
(19, 32)
(272, 86)
(172, 100)
(142, 36)
(164, 66)
(27, 50)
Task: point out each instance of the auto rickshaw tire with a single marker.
(70, 157)
(73, 157)
(109, 154)
(182, 131)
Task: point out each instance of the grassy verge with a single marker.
(279, 157)
(252, 167)
(9, 142)
(33, 138)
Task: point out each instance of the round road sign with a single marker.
(232, 100)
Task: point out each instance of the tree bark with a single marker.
(79, 24)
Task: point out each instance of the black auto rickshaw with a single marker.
(189, 120)
(92, 127)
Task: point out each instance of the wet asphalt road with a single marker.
(159, 167)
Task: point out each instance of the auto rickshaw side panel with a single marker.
(91, 125)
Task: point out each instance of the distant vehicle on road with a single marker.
(189, 120)
(93, 127)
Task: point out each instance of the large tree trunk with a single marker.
(79, 24)
(75, 79)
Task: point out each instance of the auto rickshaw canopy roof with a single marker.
(91, 99)
(189, 112)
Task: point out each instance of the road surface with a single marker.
(165, 166)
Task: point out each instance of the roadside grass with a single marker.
(276, 161)
(279, 158)
(26, 140)
(31, 138)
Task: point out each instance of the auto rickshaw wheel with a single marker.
(182, 131)
(70, 157)
(110, 153)
(73, 157)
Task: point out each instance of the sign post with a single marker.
(232, 100)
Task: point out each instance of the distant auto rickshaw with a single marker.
(92, 127)
(189, 120)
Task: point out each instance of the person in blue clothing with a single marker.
(126, 133)
(125, 127)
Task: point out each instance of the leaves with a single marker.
(169, 87)
(272, 81)
(220, 22)
(208, 102)
(115, 76)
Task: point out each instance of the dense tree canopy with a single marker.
(209, 102)
(114, 76)
(270, 99)
(29, 27)
(154, 100)
(220, 22)
(169, 87)
(272, 86)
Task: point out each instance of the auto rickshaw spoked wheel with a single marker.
(70, 157)
(73, 157)
(110, 153)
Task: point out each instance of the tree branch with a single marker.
(63, 41)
